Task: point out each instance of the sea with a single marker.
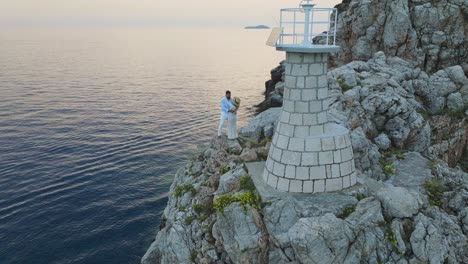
(94, 122)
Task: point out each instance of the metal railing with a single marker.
(308, 27)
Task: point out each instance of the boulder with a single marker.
(248, 154)
(229, 181)
(382, 141)
(398, 202)
(255, 128)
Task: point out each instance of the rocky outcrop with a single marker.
(430, 34)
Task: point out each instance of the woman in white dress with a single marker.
(232, 119)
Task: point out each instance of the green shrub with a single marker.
(202, 218)
(223, 170)
(180, 190)
(246, 198)
(435, 191)
(387, 166)
(246, 183)
(347, 211)
(198, 207)
(360, 196)
(399, 153)
(188, 220)
(343, 85)
(453, 113)
(181, 208)
(193, 256)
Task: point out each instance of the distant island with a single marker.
(257, 27)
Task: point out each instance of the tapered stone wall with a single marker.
(308, 154)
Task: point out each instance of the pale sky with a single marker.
(145, 12)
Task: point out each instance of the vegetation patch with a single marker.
(387, 166)
(245, 198)
(193, 256)
(435, 191)
(347, 211)
(188, 220)
(360, 196)
(201, 218)
(453, 113)
(223, 170)
(180, 190)
(390, 237)
(398, 153)
(343, 85)
(246, 183)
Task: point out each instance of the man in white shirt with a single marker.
(225, 109)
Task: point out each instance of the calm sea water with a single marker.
(93, 124)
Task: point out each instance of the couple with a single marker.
(229, 109)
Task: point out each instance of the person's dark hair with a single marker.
(228, 92)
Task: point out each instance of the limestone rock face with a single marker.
(398, 202)
(255, 129)
(432, 34)
(322, 239)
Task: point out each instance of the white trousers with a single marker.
(221, 124)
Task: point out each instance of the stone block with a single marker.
(296, 144)
(313, 144)
(302, 107)
(353, 178)
(309, 119)
(287, 68)
(295, 186)
(282, 142)
(346, 154)
(285, 117)
(318, 172)
(328, 171)
(346, 182)
(347, 140)
(309, 94)
(272, 180)
(337, 156)
(345, 168)
(286, 129)
(334, 184)
(288, 106)
(326, 157)
(276, 153)
(315, 106)
(319, 186)
(328, 143)
(291, 158)
(335, 171)
(300, 84)
(300, 69)
(322, 93)
(340, 142)
(295, 94)
(292, 57)
(283, 184)
(286, 94)
(322, 118)
(315, 69)
(290, 172)
(309, 159)
(269, 165)
(278, 169)
(302, 173)
(322, 81)
(301, 131)
(308, 187)
(295, 119)
(310, 82)
(290, 81)
(310, 58)
(325, 104)
(316, 130)
(265, 175)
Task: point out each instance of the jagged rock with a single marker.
(382, 141)
(368, 213)
(238, 233)
(323, 239)
(229, 181)
(255, 128)
(248, 155)
(233, 146)
(455, 101)
(430, 34)
(172, 245)
(406, 175)
(398, 202)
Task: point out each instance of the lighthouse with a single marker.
(308, 153)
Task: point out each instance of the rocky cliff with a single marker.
(409, 205)
(430, 34)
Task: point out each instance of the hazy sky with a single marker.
(145, 12)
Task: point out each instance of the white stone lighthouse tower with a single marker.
(308, 154)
